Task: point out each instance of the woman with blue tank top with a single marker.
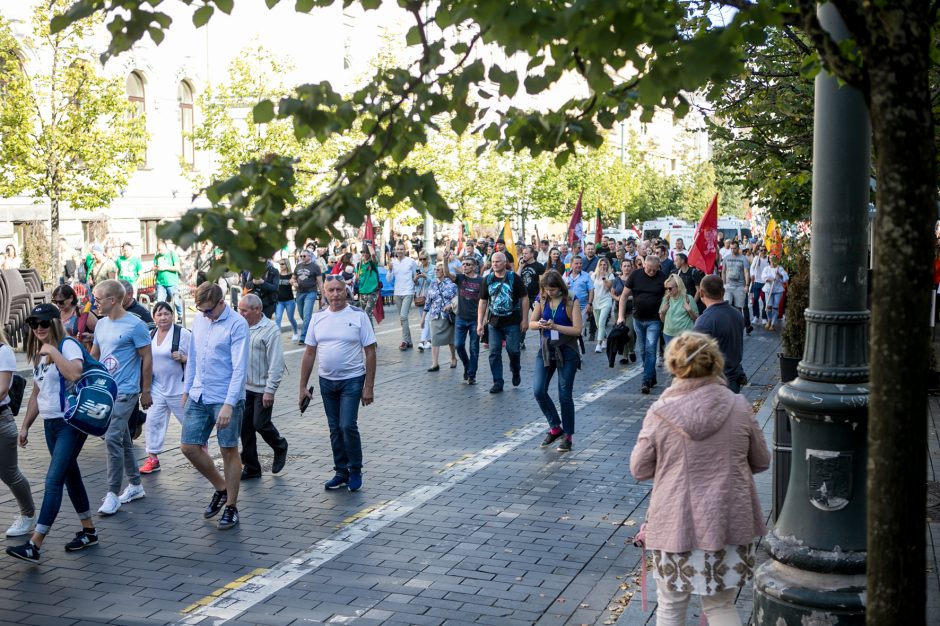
(558, 318)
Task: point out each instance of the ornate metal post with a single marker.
(817, 573)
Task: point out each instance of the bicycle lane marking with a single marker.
(229, 602)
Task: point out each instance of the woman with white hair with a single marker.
(678, 310)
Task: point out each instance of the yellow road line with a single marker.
(360, 514)
(462, 459)
(235, 584)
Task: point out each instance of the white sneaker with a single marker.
(598, 348)
(295, 337)
(133, 492)
(22, 525)
(109, 504)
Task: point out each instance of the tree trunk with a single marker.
(54, 223)
(903, 133)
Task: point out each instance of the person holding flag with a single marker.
(705, 243)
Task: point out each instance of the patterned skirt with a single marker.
(702, 572)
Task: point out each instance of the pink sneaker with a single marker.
(150, 466)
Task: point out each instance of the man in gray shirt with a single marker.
(736, 277)
(265, 369)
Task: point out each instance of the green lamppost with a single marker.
(817, 571)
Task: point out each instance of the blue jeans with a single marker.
(279, 311)
(647, 340)
(462, 330)
(542, 377)
(305, 302)
(757, 292)
(165, 292)
(64, 443)
(511, 334)
(341, 404)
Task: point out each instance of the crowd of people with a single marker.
(223, 373)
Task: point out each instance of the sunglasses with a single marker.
(330, 277)
(34, 324)
(59, 302)
(210, 309)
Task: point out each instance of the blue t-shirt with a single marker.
(118, 342)
(580, 286)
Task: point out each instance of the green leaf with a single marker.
(263, 112)
(156, 34)
(413, 38)
(225, 6)
(304, 6)
(202, 15)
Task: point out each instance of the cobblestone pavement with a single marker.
(463, 518)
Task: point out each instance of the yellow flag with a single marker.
(509, 240)
(772, 239)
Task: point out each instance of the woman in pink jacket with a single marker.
(701, 445)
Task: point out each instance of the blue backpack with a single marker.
(500, 292)
(88, 402)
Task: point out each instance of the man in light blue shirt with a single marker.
(214, 396)
(122, 344)
(581, 286)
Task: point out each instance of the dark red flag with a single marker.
(705, 244)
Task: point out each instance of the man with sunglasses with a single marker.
(122, 344)
(214, 396)
(403, 270)
(308, 282)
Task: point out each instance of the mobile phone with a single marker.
(306, 401)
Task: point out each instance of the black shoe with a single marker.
(749, 330)
(496, 389)
(522, 345)
(592, 338)
(645, 388)
(624, 361)
(229, 518)
(219, 498)
(25, 552)
(465, 375)
(82, 540)
(246, 475)
(654, 383)
(436, 368)
(565, 445)
(550, 438)
(471, 381)
(516, 379)
(633, 357)
(280, 459)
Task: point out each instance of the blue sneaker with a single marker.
(337, 481)
(355, 481)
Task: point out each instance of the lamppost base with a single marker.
(787, 596)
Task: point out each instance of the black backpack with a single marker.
(16, 391)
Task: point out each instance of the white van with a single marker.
(734, 228)
(687, 235)
(654, 228)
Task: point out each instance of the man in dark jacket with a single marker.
(265, 287)
(725, 324)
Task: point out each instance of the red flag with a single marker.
(368, 232)
(378, 311)
(598, 229)
(705, 244)
(576, 225)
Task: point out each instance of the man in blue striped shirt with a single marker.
(214, 396)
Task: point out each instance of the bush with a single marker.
(793, 336)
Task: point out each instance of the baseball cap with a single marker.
(43, 312)
(97, 248)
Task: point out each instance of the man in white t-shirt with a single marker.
(403, 270)
(346, 373)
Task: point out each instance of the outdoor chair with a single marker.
(15, 309)
(34, 284)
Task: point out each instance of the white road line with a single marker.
(237, 601)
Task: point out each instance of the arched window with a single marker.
(184, 96)
(136, 95)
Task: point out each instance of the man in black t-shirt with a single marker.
(726, 324)
(648, 288)
(503, 314)
(531, 272)
(469, 284)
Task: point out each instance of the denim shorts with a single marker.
(200, 419)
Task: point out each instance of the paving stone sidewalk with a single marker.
(491, 530)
